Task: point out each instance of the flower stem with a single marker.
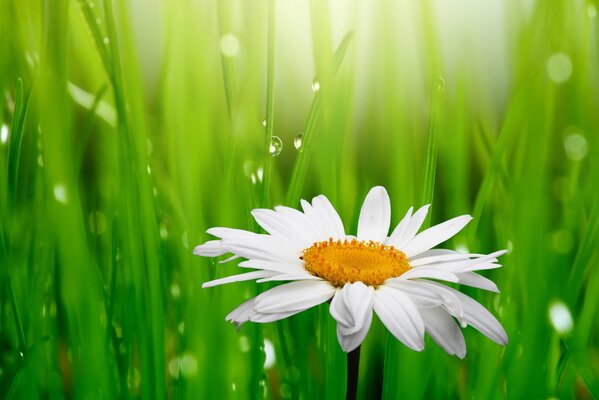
(353, 368)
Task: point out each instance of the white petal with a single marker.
(350, 341)
(479, 317)
(449, 300)
(271, 317)
(278, 224)
(400, 229)
(263, 247)
(467, 265)
(294, 296)
(328, 217)
(286, 268)
(431, 237)
(411, 229)
(238, 278)
(444, 331)
(211, 248)
(439, 258)
(352, 305)
(400, 316)
(242, 313)
(475, 280)
(290, 277)
(420, 294)
(300, 219)
(429, 272)
(375, 216)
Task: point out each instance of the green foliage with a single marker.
(126, 133)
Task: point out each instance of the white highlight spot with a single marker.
(189, 365)
(576, 146)
(591, 11)
(559, 67)
(315, 86)
(269, 351)
(60, 193)
(229, 45)
(560, 317)
(4, 133)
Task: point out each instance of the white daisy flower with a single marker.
(370, 272)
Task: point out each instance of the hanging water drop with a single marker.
(275, 147)
(264, 123)
(297, 141)
(440, 83)
(315, 86)
(106, 40)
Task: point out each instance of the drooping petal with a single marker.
(475, 280)
(352, 309)
(432, 236)
(479, 317)
(375, 215)
(211, 248)
(444, 331)
(399, 314)
(294, 296)
(449, 300)
(248, 276)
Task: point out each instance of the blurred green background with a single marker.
(127, 128)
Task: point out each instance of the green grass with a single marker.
(129, 133)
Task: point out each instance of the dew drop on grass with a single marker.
(264, 123)
(562, 241)
(315, 85)
(440, 83)
(173, 367)
(163, 231)
(133, 379)
(181, 327)
(98, 21)
(560, 317)
(40, 161)
(97, 222)
(269, 352)
(297, 141)
(106, 40)
(576, 146)
(175, 290)
(275, 147)
(60, 193)
(189, 365)
(234, 386)
(559, 67)
(91, 4)
(592, 11)
(229, 45)
(4, 133)
(244, 344)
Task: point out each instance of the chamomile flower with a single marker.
(393, 275)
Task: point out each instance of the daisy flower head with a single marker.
(391, 274)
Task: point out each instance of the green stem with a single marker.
(353, 369)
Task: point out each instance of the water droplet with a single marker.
(315, 85)
(260, 174)
(4, 133)
(591, 11)
(149, 170)
(462, 248)
(97, 222)
(562, 241)
(185, 240)
(440, 83)
(560, 317)
(576, 146)
(559, 67)
(21, 354)
(91, 4)
(60, 193)
(163, 231)
(275, 147)
(150, 146)
(269, 352)
(264, 123)
(40, 161)
(133, 379)
(297, 141)
(98, 21)
(244, 344)
(175, 290)
(106, 40)
(181, 327)
(189, 365)
(229, 45)
(233, 386)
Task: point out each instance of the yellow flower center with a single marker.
(351, 261)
